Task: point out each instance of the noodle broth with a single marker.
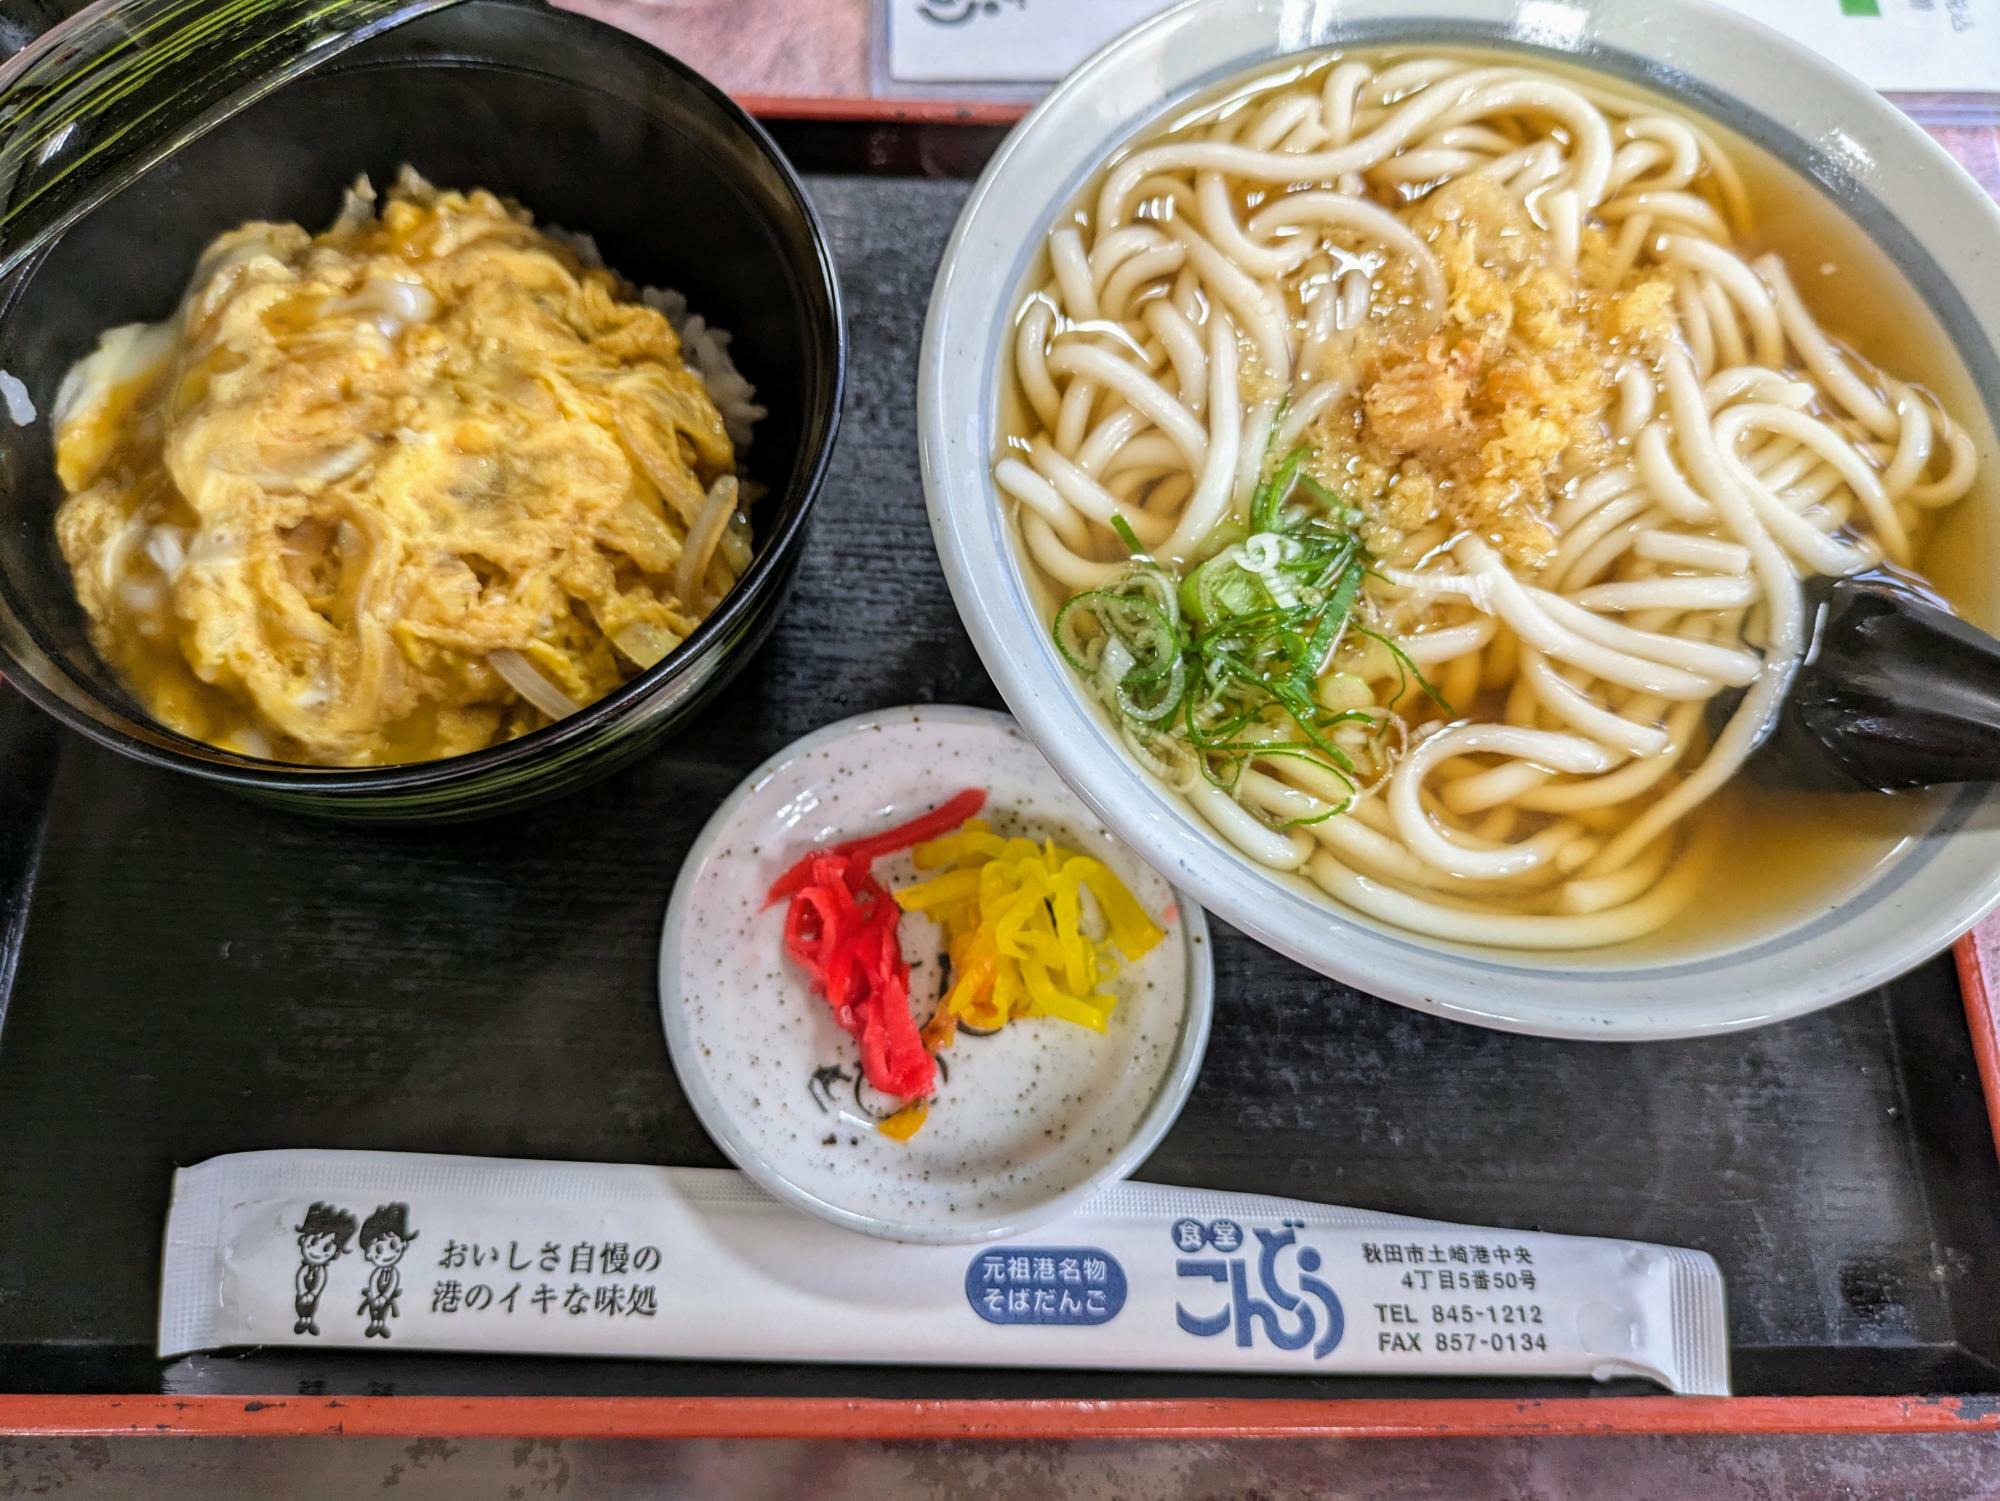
(1762, 858)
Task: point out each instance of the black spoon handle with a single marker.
(1896, 692)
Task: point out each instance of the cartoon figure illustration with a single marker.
(385, 1235)
(323, 1236)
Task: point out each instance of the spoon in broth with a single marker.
(1895, 692)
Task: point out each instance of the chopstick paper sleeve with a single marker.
(405, 1252)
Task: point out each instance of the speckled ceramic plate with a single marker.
(1026, 1123)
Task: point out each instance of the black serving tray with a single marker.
(185, 975)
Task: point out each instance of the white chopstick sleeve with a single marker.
(391, 1252)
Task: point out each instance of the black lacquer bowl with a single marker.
(594, 131)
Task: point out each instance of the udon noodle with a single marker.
(1418, 447)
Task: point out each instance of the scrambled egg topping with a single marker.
(396, 491)
(1478, 421)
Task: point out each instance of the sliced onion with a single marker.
(390, 304)
(703, 537)
(643, 643)
(527, 680)
(324, 468)
(166, 546)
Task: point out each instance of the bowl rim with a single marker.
(1176, 1082)
(157, 745)
(1870, 156)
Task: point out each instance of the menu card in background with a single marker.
(1003, 41)
(1915, 46)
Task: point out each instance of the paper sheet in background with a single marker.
(1912, 46)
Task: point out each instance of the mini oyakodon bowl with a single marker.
(1798, 922)
(594, 132)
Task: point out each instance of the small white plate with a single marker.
(1027, 1123)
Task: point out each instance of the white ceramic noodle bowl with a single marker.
(1879, 169)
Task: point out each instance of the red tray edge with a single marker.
(839, 1418)
(1982, 1019)
(825, 1418)
(874, 110)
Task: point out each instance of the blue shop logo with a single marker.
(1045, 1285)
(1290, 1320)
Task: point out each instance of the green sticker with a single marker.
(1860, 8)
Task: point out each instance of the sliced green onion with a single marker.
(1221, 589)
(1220, 666)
(1271, 496)
(1331, 624)
(1126, 535)
(1410, 670)
(1336, 508)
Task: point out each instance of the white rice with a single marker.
(704, 349)
(21, 407)
(706, 352)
